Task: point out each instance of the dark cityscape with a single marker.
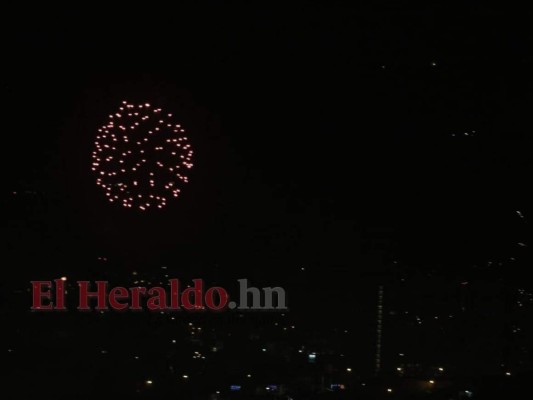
(362, 168)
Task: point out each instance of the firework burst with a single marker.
(141, 157)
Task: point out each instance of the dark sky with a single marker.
(367, 143)
(312, 123)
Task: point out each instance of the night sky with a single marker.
(337, 149)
